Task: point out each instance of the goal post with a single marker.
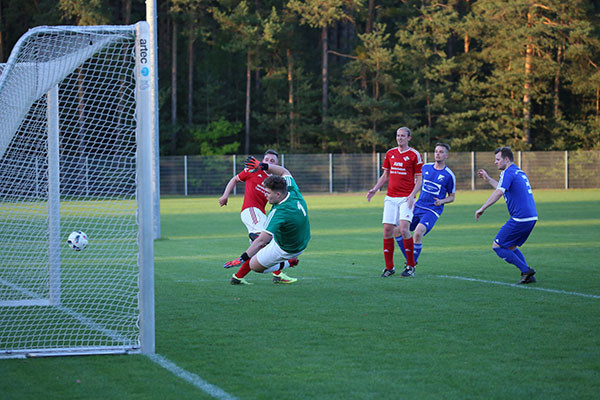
(76, 153)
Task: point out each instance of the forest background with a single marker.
(340, 76)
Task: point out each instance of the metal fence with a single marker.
(329, 173)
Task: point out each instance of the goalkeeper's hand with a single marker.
(233, 263)
(254, 165)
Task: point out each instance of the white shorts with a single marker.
(254, 219)
(272, 255)
(396, 209)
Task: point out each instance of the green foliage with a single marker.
(87, 12)
(322, 13)
(366, 108)
(452, 70)
(215, 139)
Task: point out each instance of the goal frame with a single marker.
(144, 71)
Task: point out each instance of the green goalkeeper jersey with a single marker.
(288, 222)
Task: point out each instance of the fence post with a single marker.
(235, 187)
(425, 158)
(566, 169)
(185, 177)
(520, 160)
(330, 173)
(472, 170)
(283, 160)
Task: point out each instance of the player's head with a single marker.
(271, 157)
(276, 188)
(441, 152)
(504, 157)
(403, 136)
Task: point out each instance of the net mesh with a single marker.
(95, 303)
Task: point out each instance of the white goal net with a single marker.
(72, 158)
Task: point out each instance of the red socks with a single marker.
(388, 252)
(244, 270)
(409, 247)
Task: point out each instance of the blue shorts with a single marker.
(425, 217)
(514, 233)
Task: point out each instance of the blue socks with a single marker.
(513, 257)
(417, 252)
(400, 242)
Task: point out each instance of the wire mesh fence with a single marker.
(341, 173)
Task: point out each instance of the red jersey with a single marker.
(403, 167)
(255, 194)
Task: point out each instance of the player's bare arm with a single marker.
(482, 173)
(494, 197)
(253, 164)
(228, 189)
(261, 241)
(412, 198)
(380, 182)
(278, 170)
(449, 199)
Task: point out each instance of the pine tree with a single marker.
(366, 109)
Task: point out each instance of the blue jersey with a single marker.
(436, 184)
(517, 194)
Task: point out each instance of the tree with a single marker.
(368, 95)
(87, 12)
(528, 46)
(322, 14)
(215, 139)
(244, 28)
(194, 15)
(427, 69)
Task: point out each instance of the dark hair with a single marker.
(276, 183)
(271, 151)
(444, 145)
(506, 153)
(404, 129)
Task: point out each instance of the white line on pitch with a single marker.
(460, 278)
(194, 379)
(529, 287)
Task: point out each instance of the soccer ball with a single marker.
(77, 240)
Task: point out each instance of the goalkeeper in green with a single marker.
(287, 229)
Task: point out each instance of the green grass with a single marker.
(342, 332)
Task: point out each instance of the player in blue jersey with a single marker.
(437, 188)
(514, 185)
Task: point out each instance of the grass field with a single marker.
(460, 329)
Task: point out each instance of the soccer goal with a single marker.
(76, 155)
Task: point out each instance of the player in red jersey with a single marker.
(402, 167)
(253, 208)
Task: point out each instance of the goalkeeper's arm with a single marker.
(253, 165)
(278, 170)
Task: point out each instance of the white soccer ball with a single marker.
(77, 240)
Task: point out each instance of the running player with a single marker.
(438, 188)
(514, 185)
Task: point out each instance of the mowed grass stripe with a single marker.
(440, 226)
(366, 252)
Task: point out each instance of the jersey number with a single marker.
(527, 184)
(301, 208)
